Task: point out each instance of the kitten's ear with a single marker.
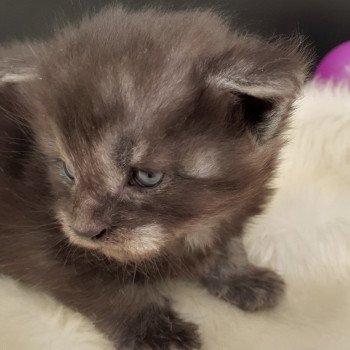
(12, 107)
(15, 134)
(14, 75)
(18, 63)
(260, 81)
(18, 76)
(17, 68)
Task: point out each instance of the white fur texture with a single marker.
(304, 234)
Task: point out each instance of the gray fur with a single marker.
(179, 93)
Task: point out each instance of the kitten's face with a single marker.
(157, 136)
(133, 182)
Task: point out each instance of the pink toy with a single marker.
(335, 66)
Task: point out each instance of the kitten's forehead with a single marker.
(148, 94)
(127, 98)
(141, 73)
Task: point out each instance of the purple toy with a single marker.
(335, 66)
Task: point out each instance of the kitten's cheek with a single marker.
(147, 239)
(141, 243)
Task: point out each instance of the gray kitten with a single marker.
(134, 148)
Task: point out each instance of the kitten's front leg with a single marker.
(133, 316)
(232, 278)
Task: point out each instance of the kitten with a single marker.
(134, 148)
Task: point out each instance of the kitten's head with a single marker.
(158, 128)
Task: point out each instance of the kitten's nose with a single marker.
(92, 234)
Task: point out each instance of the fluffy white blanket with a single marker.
(304, 234)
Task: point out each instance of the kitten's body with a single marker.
(175, 93)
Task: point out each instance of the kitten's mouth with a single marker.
(137, 244)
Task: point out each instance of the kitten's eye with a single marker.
(145, 178)
(68, 171)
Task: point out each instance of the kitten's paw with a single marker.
(162, 329)
(258, 289)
